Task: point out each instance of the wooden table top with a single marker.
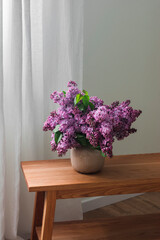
(120, 175)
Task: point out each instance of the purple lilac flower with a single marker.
(100, 126)
(101, 114)
(96, 101)
(71, 84)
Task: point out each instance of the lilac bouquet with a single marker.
(86, 121)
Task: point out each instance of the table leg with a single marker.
(38, 213)
(48, 215)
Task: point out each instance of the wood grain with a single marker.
(37, 213)
(126, 187)
(121, 228)
(48, 215)
(121, 175)
(147, 203)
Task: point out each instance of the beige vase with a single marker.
(86, 160)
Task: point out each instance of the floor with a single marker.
(147, 203)
(143, 204)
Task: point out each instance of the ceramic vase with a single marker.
(86, 160)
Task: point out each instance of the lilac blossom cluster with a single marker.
(91, 123)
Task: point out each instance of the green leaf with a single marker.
(103, 155)
(57, 137)
(85, 92)
(91, 106)
(81, 107)
(75, 101)
(80, 135)
(85, 100)
(98, 148)
(81, 139)
(56, 128)
(64, 93)
(78, 98)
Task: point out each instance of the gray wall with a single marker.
(122, 61)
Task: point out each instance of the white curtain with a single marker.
(41, 49)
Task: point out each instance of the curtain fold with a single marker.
(2, 158)
(41, 49)
(12, 52)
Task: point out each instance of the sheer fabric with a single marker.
(41, 49)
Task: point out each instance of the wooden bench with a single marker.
(56, 179)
